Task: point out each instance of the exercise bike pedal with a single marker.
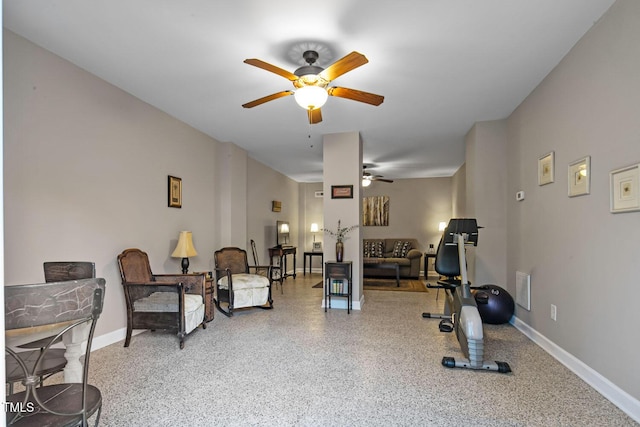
(445, 326)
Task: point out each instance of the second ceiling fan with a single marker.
(311, 83)
(368, 177)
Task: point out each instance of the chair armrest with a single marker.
(134, 291)
(261, 266)
(193, 283)
(219, 273)
(268, 268)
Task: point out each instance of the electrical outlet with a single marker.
(554, 312)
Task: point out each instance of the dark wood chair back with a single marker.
(234, 259)
(255, 252)
(59, 271)
(134, 266)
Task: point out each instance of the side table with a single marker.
(427, 255)
(209, 289)
(311, 255)
(337, 282)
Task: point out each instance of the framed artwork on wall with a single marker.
(375, 210)
(579, 177)
(624, 189)
(342, 191)
(545, 169)
(175, 192)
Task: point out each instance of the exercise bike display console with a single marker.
(461, 310)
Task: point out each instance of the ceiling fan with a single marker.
(368, 177)
(311, 83)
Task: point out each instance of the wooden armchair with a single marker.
(236, 285)
(59, 308)
(160, 301)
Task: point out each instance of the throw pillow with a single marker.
(401, 249)
(366, 247)
(372, 250)
(377, 250)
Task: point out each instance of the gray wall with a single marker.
(416, 206)
(581, 257)
(264, 186)
(85, 175)
(485, 190)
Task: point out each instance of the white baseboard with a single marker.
(623, 400)
(112, 338)
(341, 303)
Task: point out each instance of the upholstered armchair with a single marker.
(160, 301)
(237, 283)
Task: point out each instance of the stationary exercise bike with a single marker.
(460, 311)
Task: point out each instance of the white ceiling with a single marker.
(440, 64)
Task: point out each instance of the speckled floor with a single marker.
(296, 365)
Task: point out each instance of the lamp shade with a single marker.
(184, 248)
(311, 97)
(284, 228)
(314, 228)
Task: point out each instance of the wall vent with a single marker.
(523, 290)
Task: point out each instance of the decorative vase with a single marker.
(339, 250)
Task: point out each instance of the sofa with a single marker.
(379, 251)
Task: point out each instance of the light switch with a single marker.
(520, 196)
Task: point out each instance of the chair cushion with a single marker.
(167, 302)
(244, 281)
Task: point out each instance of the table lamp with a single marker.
(184, 249)
(314, 230)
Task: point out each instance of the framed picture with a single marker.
(317, 246)
(342, 191)
(624, 189)
(545, 169)
(276, 206)
(580, 177)
(375, 210)
(175, 192)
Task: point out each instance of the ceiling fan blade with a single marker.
(343, 65)
(381, 179)
(277, 70)
(315, 116)
(356, 95)
(267, 98)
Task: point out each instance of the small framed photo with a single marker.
(580, 177)
(317, 246)
(624, 189)
(342, 191)
(276, 206)
(545, 169)
(175, 192)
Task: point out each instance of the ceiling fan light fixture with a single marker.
(311, 97)
(366, 182)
